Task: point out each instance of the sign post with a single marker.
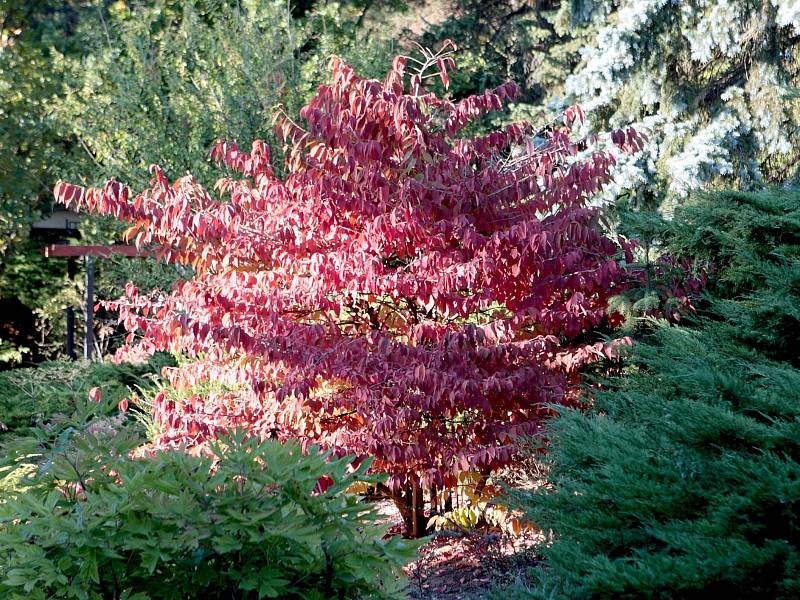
(88, 345)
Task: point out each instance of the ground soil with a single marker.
(468, 566)
(456, 565)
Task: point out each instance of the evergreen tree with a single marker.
(713, 81)
(684, 478)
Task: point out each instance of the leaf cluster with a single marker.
(89, 518)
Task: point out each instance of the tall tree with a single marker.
(713, 82)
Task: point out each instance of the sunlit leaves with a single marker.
(403, 292)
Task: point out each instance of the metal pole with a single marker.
(89, 343)
(71, 333)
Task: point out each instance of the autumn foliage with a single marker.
(405, 291)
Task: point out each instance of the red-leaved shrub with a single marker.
(405, 291)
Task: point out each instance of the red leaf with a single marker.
(443, 73)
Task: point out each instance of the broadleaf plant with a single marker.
(405, 291)
(248, 521)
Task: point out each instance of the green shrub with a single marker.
(249, 522)
(684, 479)
(33, 396)
(752, 243)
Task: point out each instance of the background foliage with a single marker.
(103, 87)
(35, 396)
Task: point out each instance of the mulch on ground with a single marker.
(465, 564)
